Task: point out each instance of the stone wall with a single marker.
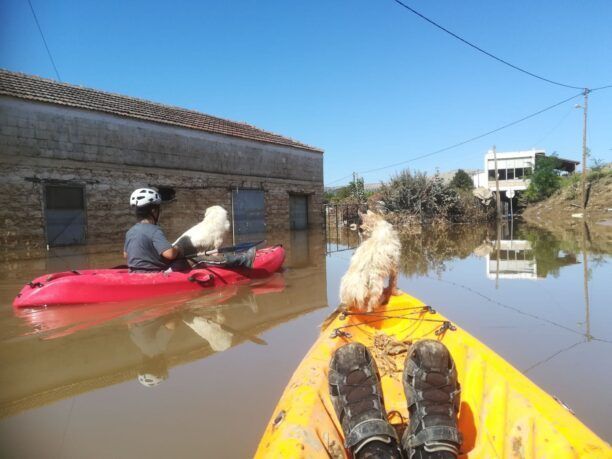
(111, 156)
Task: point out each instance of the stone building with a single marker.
(70, 157)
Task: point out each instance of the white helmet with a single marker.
(150, 380)
(144, 197)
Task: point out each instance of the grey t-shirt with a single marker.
(144, 244)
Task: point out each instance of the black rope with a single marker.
(477, 48)
(42, 35)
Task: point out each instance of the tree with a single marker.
(544, 180)
(354, 192)
(462, 181)
(357, 190)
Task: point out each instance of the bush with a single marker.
(418, 195)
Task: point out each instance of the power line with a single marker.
(44, 41)
(471, 139)
(601, 87)
(477, 48)
(554, 128)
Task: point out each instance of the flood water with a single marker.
(74, 381)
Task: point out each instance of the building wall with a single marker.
(518, 162)
(111, 156)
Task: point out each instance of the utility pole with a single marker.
(584, 152)
(497, 196)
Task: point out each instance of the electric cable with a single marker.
(499, 59)
(44, 41)
(555, 127)
(458, 144)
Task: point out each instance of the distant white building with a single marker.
(513, 168)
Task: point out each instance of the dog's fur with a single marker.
(209, 233)
(377, 258)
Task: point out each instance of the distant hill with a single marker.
(367, 186)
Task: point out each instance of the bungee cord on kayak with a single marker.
(418, 310)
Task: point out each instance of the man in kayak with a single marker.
(146, 247)
(432, 393)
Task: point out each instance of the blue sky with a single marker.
(365, 80)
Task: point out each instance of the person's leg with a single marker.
(231, 260)
(180, 265)
(355, 391)
(235, 260)
(433, 396)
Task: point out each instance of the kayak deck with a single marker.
(118, 285)
(502, 414)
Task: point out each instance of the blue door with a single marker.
(249, 211)
(64, 215)
(298, 212)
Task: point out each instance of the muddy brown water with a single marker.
(74, 382)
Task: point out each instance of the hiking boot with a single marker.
(355, 391)
(433, 396)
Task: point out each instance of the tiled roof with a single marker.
(43, 90)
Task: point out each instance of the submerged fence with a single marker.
(341, 221)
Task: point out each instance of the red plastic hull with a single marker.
(119, 285)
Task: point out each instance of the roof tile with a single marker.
(31, 87)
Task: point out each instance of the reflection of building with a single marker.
(513, 169)
(516, 261)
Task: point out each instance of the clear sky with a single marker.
(366, 81)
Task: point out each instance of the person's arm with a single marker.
(172, 253)
(125, 254)
(163, 247)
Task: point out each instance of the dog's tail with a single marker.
(355, 292)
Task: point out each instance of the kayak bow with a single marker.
(503, 413)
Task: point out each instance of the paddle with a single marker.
(243, 247)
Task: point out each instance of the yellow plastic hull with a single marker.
(503, 414)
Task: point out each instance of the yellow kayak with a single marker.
(503, 413)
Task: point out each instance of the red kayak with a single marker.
(118, 285)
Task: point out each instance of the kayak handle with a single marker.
(201, 278)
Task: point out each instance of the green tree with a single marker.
(462, 181)
(544, 180)
(356, 190)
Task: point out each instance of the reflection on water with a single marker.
(120, 377)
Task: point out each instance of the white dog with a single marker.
(376, 259)
(206, 235)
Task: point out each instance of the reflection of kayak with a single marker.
(112, 285)
(503, 413)
(62, 320)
